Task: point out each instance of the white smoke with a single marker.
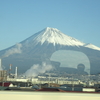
(16, 49)
(37, 69)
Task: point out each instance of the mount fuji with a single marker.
(40, 48)
(53, 36)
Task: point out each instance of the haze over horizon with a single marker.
(22, 18)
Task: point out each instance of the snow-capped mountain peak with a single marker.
(91, 46)
(54, 36)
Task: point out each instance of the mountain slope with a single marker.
(40, 47)
(54, 36)
(91, 46)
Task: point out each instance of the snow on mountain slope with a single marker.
(54, 36)
(91, 46)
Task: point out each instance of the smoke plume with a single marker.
(37, 69)
(16, 49)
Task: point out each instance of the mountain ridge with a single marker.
(40, 47)
(54, 36)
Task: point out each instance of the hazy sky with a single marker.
(19, 19)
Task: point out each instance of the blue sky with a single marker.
(19, 19)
